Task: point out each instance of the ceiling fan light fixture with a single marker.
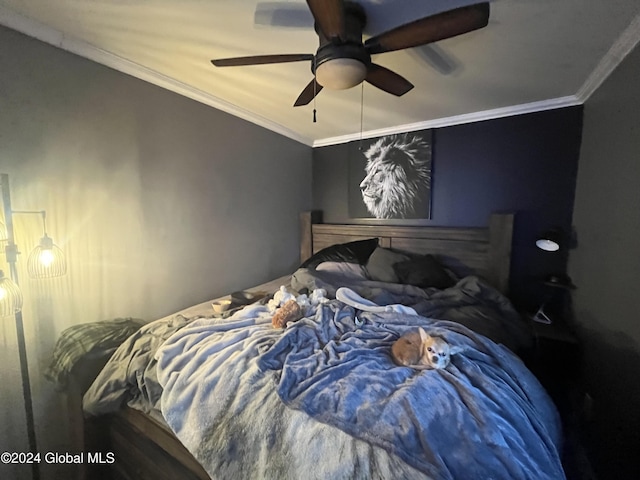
(341, 73)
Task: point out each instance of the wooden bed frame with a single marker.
(146, 449)
(482, 251)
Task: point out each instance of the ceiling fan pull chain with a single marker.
(315, 86)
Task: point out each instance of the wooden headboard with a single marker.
(482, 251)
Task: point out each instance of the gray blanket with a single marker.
(226, 411)
(322, 398)
(484, 414)
(350, 412)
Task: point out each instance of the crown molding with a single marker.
(510, 111)
(625, 43)
(53, 37)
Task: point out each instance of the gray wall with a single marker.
(159, 202)
(606, 267)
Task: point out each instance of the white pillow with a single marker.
(348, 270)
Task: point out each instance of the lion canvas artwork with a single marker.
(391, 177)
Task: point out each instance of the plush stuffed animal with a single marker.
(289, 312)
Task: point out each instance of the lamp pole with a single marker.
(11, 251)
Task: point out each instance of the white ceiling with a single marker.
(533, 55)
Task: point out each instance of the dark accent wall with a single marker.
(525, 164)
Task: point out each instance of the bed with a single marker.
(230, 396)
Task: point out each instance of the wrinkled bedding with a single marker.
(474, 416)
(471, 302)
(130, 376)
(323, 399)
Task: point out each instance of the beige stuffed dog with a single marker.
(289, 312)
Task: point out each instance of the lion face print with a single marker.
(398, 176)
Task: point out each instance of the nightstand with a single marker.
(556, 360)
(557, 363)
(556, 332)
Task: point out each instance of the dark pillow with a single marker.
(351, 252)
(380, 265)
(423, 272)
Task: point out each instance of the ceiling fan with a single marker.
(343, 60)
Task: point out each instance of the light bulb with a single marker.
(46, 257)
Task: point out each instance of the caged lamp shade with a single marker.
(46, 260)
(10, 297)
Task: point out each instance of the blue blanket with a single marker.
(484, 416)
(341, 409)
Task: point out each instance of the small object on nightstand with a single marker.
(541, 317)
(559, 281)
(559, 284)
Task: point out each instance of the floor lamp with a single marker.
(46, 260)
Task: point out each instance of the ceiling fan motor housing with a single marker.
(343, 63)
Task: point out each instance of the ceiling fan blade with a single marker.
(309, 93)
(436, 57)
(262, 59)
(283, 14)
(386, 80)
(329, 15)
(431, 29)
